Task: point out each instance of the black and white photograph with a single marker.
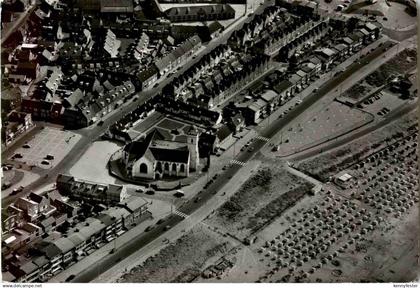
(209, 142)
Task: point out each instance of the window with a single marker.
(166, 166)
(159, 167)
(182, 168)
(143, 168)
(174, 167)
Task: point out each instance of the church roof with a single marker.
(151, 146)
(180, 155)
(136, 149)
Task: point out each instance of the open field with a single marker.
(183, 260)
(263, 197)
(92, 166)
(399, 64)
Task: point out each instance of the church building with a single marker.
(155, 157)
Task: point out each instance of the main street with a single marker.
(94, 132)
(225, 176)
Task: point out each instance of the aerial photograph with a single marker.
(209, 141)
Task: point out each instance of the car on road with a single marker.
(167, 227)
(45, 162)
(100, 123)
(26, 146)
(156, 85)
(251, 149)
(71, 277)
(197, 199)
(150, 192)
(160, 221)
(17, 190)
(148, 228)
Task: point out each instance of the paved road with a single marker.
(225, 176)
(94, 132)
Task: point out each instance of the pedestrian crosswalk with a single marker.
(263, 138)
(237, 162)
(181, 214)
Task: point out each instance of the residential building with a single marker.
(86, 190)
(200, 13)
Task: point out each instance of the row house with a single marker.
(271, 17)
(24, 73)
(16, 124)
(285, 90)
(43, 110)
(87, 109)
(189, 112)
(56, 254)
(147, 77)
(233, 75)
(200, 13)
(298, 40)
(78, 189)
(208, 65)
(179, 55)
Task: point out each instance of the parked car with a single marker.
(26, 146)
(45, 162)
(49, 157)
(17, 155)
(150, 192)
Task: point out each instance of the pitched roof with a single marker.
(180, 155)
(133, 203)
(136, 149)
(223, 132)
(197, 10)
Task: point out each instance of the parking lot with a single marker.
(49, 141)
